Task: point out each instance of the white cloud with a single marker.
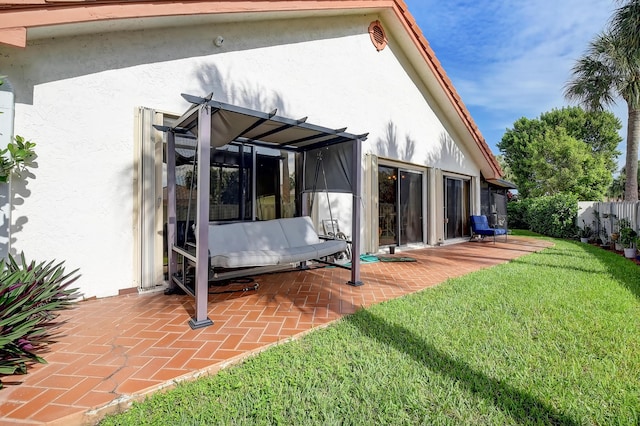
(511, 58)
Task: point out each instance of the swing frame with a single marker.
(216, 124)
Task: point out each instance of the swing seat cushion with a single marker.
(272, 242)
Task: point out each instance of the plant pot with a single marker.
(584, 240)
(619, 247)
(630, 253)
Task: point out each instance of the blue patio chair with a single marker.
(480, 227)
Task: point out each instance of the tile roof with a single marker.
(17, 16)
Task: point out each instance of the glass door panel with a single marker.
(410, 207)
(275, 184)
(400, 194)
(387, 212)
(456, 192)
(230, 180)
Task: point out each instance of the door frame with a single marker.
(470, 202)
(374, 206)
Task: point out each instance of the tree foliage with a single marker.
(610, 69)
(564, 151)
(616, 190)
(506, 169)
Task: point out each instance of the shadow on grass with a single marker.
(568, 253)
(623, 270)
(522, 407)
(561, 267)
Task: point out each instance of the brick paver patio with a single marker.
(119, 349)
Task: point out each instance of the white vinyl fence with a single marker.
(603, 217)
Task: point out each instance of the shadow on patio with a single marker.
(116, 350)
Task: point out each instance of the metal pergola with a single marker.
(215, 124)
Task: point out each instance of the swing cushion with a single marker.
(271, 242)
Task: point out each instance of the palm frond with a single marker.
(607, 71)
(625, 23)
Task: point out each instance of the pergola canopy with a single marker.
(215, 124)
(231, 123)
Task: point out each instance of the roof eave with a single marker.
(26, 14)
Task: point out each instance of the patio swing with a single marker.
(242, 249)
(224, 251)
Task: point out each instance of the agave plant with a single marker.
(30, 295)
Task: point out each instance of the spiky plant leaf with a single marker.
(30, 295)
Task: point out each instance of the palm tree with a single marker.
(616, 190)
(611, 69)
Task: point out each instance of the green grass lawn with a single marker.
(550, 338)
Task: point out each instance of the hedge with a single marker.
(552, 215)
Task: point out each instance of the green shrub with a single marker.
(516, 211)
(552, 215)
(30, 294)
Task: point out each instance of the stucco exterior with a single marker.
(76, 97)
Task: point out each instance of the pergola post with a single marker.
(171, 207)
(202, 220)
(356, 179)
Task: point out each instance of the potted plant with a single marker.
(585, 233)
(615, 234)
(628, 238)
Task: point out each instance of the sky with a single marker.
(512, 58)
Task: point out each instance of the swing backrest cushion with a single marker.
(269, 242)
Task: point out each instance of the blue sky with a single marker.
(511, 58)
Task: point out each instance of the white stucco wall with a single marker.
(76, 96)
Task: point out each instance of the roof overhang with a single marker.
(21, 20)
(502, 183)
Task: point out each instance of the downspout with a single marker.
(7, 114)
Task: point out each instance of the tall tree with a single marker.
(566, 150)
(611, 69)
(616, 190)
(506, 169)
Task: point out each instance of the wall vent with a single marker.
(378, 36)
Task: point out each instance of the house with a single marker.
(88, 80)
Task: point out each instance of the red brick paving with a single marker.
(115, 350)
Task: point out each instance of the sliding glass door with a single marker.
(410, 208)
(400, 217)
(456, 207)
